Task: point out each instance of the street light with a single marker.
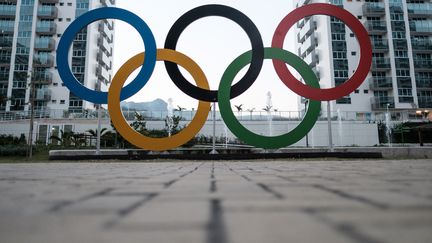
(31, 103)
(388, 125)
(307, 134)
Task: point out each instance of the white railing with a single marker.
(398, 116)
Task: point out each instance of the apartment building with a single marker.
(401, 73)
(29, 34)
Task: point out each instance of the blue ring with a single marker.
(98, 97)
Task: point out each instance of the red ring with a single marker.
(352, 22)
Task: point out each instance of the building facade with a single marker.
(29, 34)
(401, 35)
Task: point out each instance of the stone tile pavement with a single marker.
(217, 202)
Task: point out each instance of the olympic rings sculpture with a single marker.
(255, 57)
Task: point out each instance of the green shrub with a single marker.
(11, 150)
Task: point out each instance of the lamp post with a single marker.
(307, 134)
(31, 103)
(388, 124)
(214, 130)
(99, 121)
(331, 148)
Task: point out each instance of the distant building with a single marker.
(401, 35)
(29, 34)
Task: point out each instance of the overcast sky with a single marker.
(213, 42)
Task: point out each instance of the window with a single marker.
(62, 102)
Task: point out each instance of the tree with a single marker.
(3, 98)
(139, 124)
(267, 108)
(93, 133)
(239, 109)
(66, 139)
(401, 128)
(251, 111)
(179, 108)
(174, 126)
(105, 134)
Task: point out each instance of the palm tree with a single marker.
(65, 138)
(267, 108)
(251, 111)
(239, 109)
(93, 133)
(179, 108)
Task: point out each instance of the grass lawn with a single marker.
(39, 157)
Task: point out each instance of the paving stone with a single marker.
(371, 201)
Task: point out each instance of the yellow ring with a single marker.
(157, 144)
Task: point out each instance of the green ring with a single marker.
(243, 133)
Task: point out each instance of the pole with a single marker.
(388, 129)
(307, 134)
(31, 103)
(214, 130)
(330, 127)
(98, 132)
(99, 126)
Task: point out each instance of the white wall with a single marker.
(346, 134)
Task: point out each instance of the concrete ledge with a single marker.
(204, 154)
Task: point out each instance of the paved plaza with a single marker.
(356, 201)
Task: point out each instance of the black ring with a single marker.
(222, 11)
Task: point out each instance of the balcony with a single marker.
(424, 83)
(380, 103)
(6, 42)
(419, 9)
(8, 11)
(425, 101)
(404, 82)
(47, 12)
(400, 44)
(381, 63)
(376, 26)
(423, 64)
(422, 45)
(396, 7)
(312, 59)
(339, 45)
(380, 45)
(402, 63)
(46, 27)
(303, 2)
(309, 44)
(104, 44)
(398, 25)
(421, 27)
(103, 59)
(373, 9)
(46, 44)
(4, 76)
(42, 77)
(307, 30)
(105, 30)
(381, 83)
(102, 73)
(48, 1)
(107, 3)
(43, 94)
(43, 60)
(7, 26)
